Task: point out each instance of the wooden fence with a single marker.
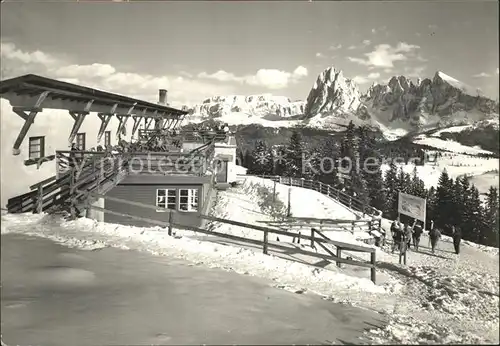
(316, 237)
(328, 190)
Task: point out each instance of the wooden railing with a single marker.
(89, 174)
(340, 196)
(360, 228)
(316, 237)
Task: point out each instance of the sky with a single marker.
(202, 49)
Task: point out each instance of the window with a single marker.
(80, 141)
(107, 138)
(37, 147)
(166, 199)
(188, 199)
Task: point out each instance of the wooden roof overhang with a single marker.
(28, 95)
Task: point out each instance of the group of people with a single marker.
(403, 235)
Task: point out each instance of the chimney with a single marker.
(163, 97)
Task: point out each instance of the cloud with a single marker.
(352, 47)
(182, 88)
(374, 31)
(482, 75)
(339, 46)
(319, 55)
(432, 26)
(414, 72)
(497, 70)
(366, 42)
(368, 79)
(384, 55)
(268, 78)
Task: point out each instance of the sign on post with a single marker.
(412, 206)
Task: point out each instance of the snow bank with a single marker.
(155, 240)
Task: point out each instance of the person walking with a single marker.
(434, 236)
(397, 234)
(457, 238)
(417, 233)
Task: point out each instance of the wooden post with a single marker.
(289, 210)
(328, 190)
(266, 239)
(312, 238)
(352, 229)
(320, 187)
(364, 208)
(373, 273)
(170, 219)
(339, 255)
(302, 182)
(274, 191)
(280, 179)
(350, 202)
(39, 201)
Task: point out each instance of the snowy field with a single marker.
(449, 145)
(441, 298)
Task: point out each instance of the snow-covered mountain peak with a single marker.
(260, 105)
(332, 93)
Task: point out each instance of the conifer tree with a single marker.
(260, 159)
(294, 153)
(444, 205)
(473, 217)
(391, 188)
(491, 229)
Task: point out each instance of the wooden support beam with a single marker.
(78, 117)
(123, 120)
(105, 119)
(137, 121)
(149, 121)
(28, 120)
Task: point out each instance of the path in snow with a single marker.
(52, 295)
(447, 297)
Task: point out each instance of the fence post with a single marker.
(266, 236)
(350, 202)
(328, 190)
(364, 208)
(312, 238)
(373, 273)
(39, 201)
(274, 191)
(170, 219)
(301, 182)
(280, 179)
(289, 209)
(339, 255)
(320, 187)
(57, 166)
(352, 229)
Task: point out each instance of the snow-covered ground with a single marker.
(441, 298)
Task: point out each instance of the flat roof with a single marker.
(32, 85)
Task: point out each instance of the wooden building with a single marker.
(36, 135)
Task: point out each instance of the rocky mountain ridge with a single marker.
(398, 107)
(441, 101)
